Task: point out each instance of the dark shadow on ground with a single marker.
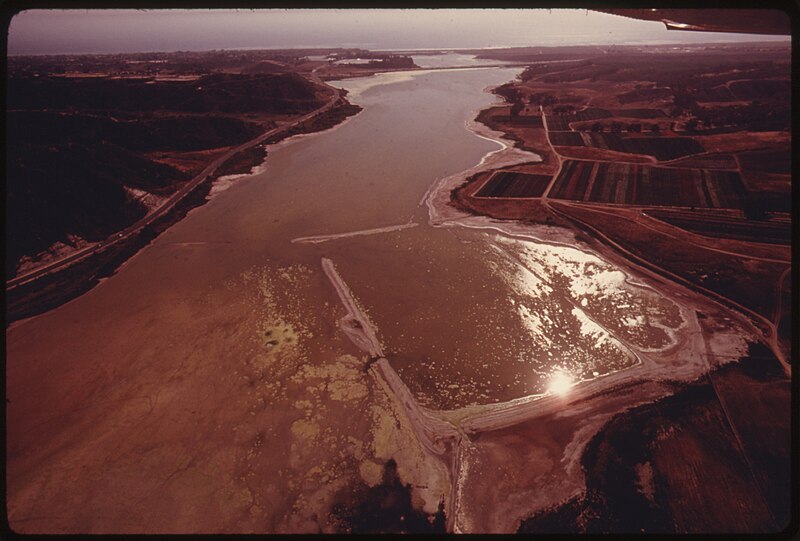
(384, 508)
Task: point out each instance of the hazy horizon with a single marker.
(41, 32)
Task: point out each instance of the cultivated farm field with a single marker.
(638, 184)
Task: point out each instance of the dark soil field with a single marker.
(514, 184)
(661, 148)
(527, 210)
(633, 184)
(774, 160)
(706, 161)
(566, 138)
(775, 231)
(559, 123)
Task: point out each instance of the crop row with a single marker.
(728, 227)
(513, 184)
(637, 184)
(558, 123)
(566, 138)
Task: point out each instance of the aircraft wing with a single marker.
(744, 21)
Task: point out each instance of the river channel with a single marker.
(207, 384)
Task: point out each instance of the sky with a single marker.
(117, 31)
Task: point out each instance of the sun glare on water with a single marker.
(560, 384)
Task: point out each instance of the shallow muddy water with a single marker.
(225, 332)
(465, 316)
(451, 60)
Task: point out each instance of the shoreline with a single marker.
(646, 382)
(487, 493)
(53, 289)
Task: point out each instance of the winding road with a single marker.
(176, 198)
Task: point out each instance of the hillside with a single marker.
(78, 146)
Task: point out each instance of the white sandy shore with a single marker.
(359, 85)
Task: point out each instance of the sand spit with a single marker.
(434, 433)
(221, 184)
(354, 324)
(440, 212)
(436, 436)
(361, 83)
(316, 239)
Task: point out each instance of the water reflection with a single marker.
(560, 383)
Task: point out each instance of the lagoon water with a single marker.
(215, 354)
(447, 304)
